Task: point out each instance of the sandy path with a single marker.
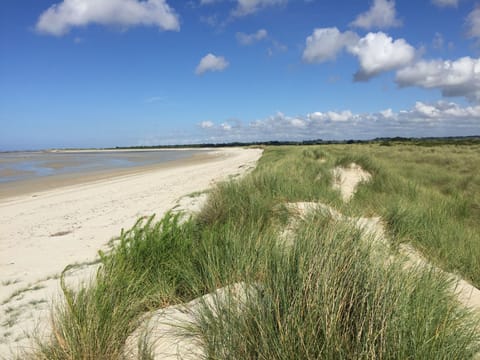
(41, 235)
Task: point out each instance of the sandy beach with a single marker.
(47, 226)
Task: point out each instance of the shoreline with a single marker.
(73, 151)
(12, 190)
(44, 231)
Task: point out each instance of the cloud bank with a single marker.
(436, 119)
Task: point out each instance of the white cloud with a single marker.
(298, 123)
(331, 116)
(340, 116)
(377, 52)
(247, 7)
(473, 23)
(436, 119)
(445, 3)
(211, 62)
(248, 39)
(382, 14)
(206, 124)
(427, 111)
(387, 113)
(446, 110)
(325, 43)
(453, 78)
(60, 18)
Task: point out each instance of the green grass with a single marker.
(148, 268)
(429, 196)
(329, 299)
(329, 295)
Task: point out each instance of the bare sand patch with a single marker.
(372, 227)
(166, 333)
(346, 179)
(467, 294)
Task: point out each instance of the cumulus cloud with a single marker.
(378, 52)
(247, 7)
(445, 3)
(332, 116)
(211, 62)
(60, 18)
(453, 78)
(248, 39)
(382, 14)
(473, 23)
(325, 43)
(435, 119)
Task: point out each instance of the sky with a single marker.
(101, 73)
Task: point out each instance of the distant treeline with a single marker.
(383, 141)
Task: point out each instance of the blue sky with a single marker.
(98, 73)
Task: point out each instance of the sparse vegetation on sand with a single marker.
(429, 196)
(328, 292)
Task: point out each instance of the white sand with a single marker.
(346, 179)
(84, 218)
(166, 332)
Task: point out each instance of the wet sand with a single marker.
(39, 184)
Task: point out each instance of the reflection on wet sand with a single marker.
(10, 173)
(20, 166)
(58, 172)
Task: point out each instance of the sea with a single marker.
(30, 165)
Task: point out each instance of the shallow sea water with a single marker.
(19, 166)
